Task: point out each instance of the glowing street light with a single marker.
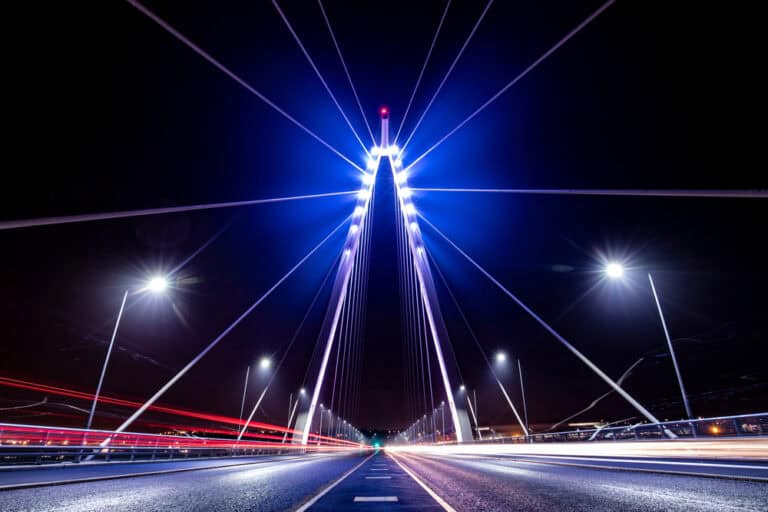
(500, 357)
(265, 363)
(614, 270)
(157, 285)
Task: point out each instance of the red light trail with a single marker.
(216, 418)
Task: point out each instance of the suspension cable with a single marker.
(752, 194)
(89, 217)
(423, 68)
(178, 35)
(319, 75)
(221, 336)
(346, 71)
(547, 327)
(519, 77)
(289, 346)
(450, 70)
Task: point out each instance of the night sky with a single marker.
(108, 112)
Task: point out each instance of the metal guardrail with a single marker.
(745, 425)
(35, 444)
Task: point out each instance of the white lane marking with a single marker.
(376, 469)
(365, 499)
(331, 486)
(378, 477)
(440, 501)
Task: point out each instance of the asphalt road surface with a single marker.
(364, 482)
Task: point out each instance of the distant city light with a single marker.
(303, 391)
(501, 357)
(265, 363)
(462, 388)
(614, 270)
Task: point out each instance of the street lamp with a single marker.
(616, 271)
(500, 356)
(156, 284)
(265, 363)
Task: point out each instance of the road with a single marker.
(382, 481)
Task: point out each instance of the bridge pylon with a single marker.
(426, 286)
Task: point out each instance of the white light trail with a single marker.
(178, 35)
(423, 68)
(89, 217)
(754, 194)
(218, 338)
(346, 71)
(743, 449)
(549, 329)
(319, 75)
(448, 73)
(519, 77)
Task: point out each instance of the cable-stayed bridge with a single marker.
(146, 454)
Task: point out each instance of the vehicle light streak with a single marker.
(747, 449)
(216, 418)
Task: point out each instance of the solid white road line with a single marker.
(378, 478)
(331, 486)
(440, 501)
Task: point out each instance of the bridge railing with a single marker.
(745, 425)
(36, 444)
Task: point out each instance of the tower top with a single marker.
(384, 112)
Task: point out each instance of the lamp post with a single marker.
(245, 388)
(522, 392)
(671, 350)
(155, 285)
(320, 432)
(615, 270)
